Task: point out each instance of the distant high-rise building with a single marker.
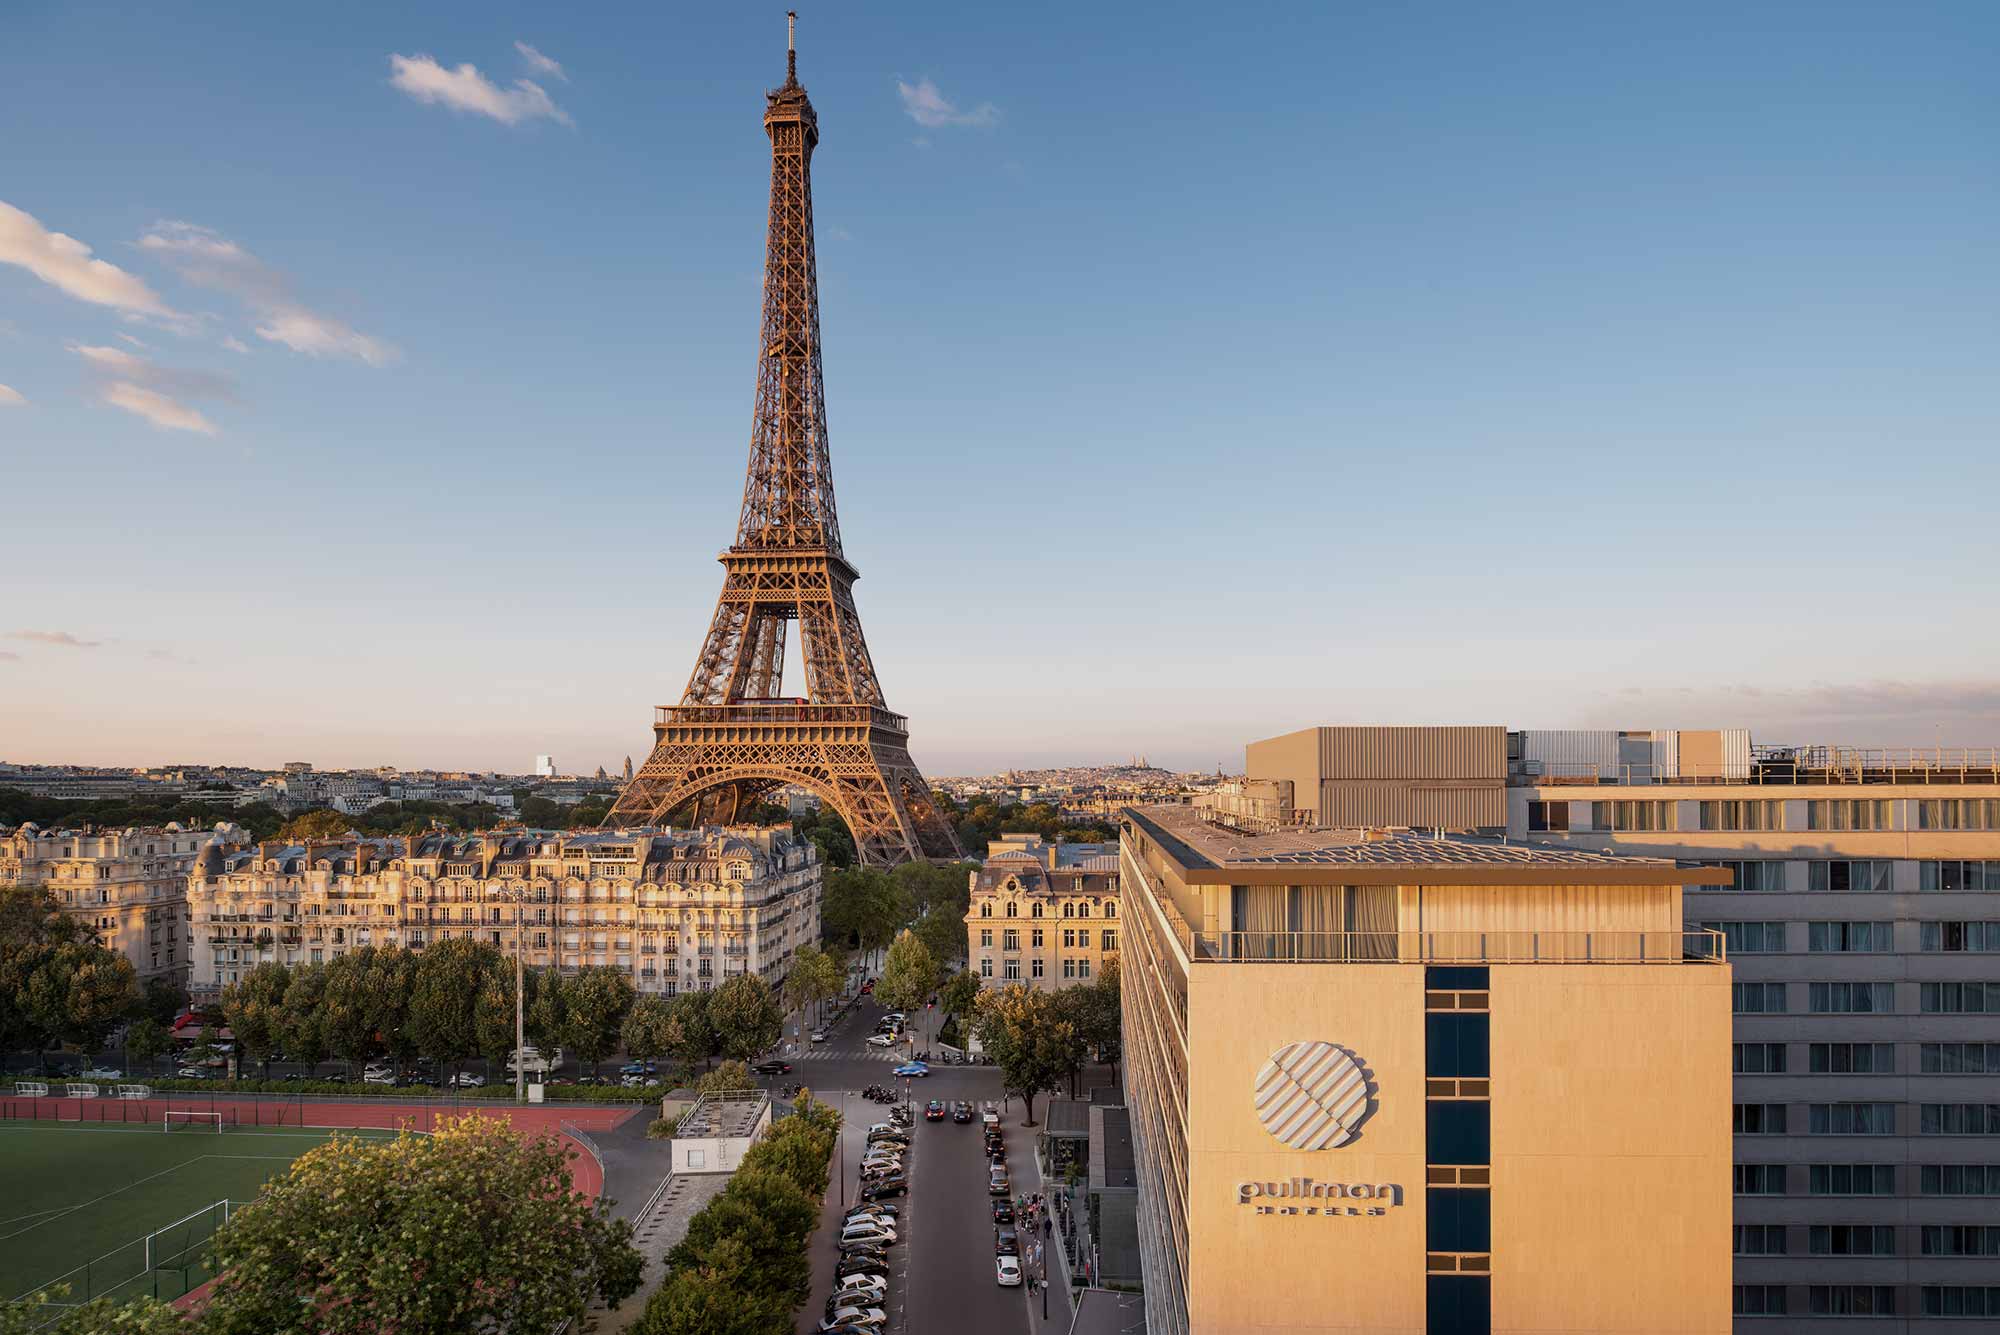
(545, 766)
(628, 769)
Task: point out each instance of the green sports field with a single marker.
(87, 1196)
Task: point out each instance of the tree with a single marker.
(771, 1217)
(863, 908)
(351, 1007)
(599, 998)
(146, 1040)
(444, 995)
(474, 1227)
(959, 995)
(908, 975)
(690, 1032)
(815, 976)
(321, 824)
(746, 1017)
(715, 1294)
(165, 998)
(303, 1031)
(943, 933)
(726, 1078)
(493, 1010)
(548, 1010)
(205, 1050)
(1035, 1047)
(255, 1010)
(57, 984)
(648, 1034)
(104, 1316)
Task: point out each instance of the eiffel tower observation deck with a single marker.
(735, 736)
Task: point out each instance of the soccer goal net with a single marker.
(198, 1121)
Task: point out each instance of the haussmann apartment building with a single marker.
(1384, 1080)
(1861, 918)
(1043, 914)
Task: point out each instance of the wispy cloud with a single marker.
(56, 637)
(11, 397)
(929, 107)
(466, 89)
(65, 263)
(9, 656)
(209, 259)
(147, 390)
(235, 344)
(540, 63)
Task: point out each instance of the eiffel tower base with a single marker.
(855, 758)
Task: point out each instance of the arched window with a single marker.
(985, 910)
(1069, 909)
(1013, 910)
(1037, 910)
(1110, 908)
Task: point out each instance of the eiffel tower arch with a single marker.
(735, 735)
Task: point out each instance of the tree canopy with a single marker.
(1026, 1033)
(745, 1017)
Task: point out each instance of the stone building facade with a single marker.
(1043, 914)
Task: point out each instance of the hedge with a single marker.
(361, 1089)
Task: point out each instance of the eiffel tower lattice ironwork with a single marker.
(734, 736)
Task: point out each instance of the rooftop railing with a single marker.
(1689, 946)
(780, 712)
(1786, 767)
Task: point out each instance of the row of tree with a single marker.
(455, 1000)
(474, 1227)
(1041, 1040)
(743, 1267)
(59, 986)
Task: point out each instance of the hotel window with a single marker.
(1850, 814)
(986, 937)
(1750, 938)
(1069, 909)
(1959, 1179)
(1035, 911)
(1548, 817)
(1013, 972)
(1013, 910)
(1638, 817)
(1757, 1299)
(1971, 813)
(1759, 998)
(1109, 939)
(1747, 815)
(1083, 968)
(1010, 939)
(1757, 1058)
(1848, 877)
(1952, 877)
(1035, 968)
(1110, 909)
(1958, 1119)
(1851, 1179)
(1759, 1239)
(985, 910)
(1069, 968)
(1959, 1299)
(1863, 937)
(1851, 1119)
(1851, 998)
(1851, 1058)
(985, 967)
(1960, 998)
(1978, 937)
(1035, 938)
(1851, 1240)
(1069, 938)
(1083, 939)
(1851, 1299)
(1755, 1119)
(1959, 1058)
(1758, 1179)
(1961, 1240)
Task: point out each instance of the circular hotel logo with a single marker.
(1312, 1096)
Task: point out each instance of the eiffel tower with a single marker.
(735, 736)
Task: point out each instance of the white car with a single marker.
(102, 1073)
(881, 1040)
(1007, 1271)
(375, 1075)
(819, 1035)
(191, 1073)
(468, 1080)
(872, 1230)
(862, 1291)
(855, 1316)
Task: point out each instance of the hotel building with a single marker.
(1862, 918)
(1043, 914)
(678, 910)
(130, 886)
(1396, 1082)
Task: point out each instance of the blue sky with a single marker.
(1193, 374)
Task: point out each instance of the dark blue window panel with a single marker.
(1458, 1132)
(1456, 978)
(1459, 1304)
(1456, 1043)
(1458, 1220)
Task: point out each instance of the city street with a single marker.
(941, 1269)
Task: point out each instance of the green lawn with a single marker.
(88, 1195)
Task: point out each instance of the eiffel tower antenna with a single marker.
(735, 735)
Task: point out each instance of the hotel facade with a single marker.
(677, 910)
(1042, 914)
(1862, 921)
(1389, 1082)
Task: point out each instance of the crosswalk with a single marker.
(822, 1054)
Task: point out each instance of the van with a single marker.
(531, 1060)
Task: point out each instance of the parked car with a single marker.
(535, 1061)
(889, 1133)
(191, 1073)
(864, 1251)
(859, 1268)
(849, 1319)
(1006, 1242)
(874, 1211)
(1007, 1271)
(637, 1068)
(376, 1075)
(819, 1035)
(881, 1040)
(998, 1183)
(772, 1068)
(871, 1286)
(961, 1111)
(989, 1113)
(934, 1111)
(878, 1165)
(468, 1080)
(869, 1230)
(894, 1185)
(1003, 1212)
(102, 1073)
(911, 1070)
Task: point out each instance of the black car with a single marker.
(961, 1111)
(772, 1068)
(1006, 1242)
(894, 1185)
(860, 1269)
(1003, 1213)
(888, 1211)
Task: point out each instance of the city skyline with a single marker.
(292, 466)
